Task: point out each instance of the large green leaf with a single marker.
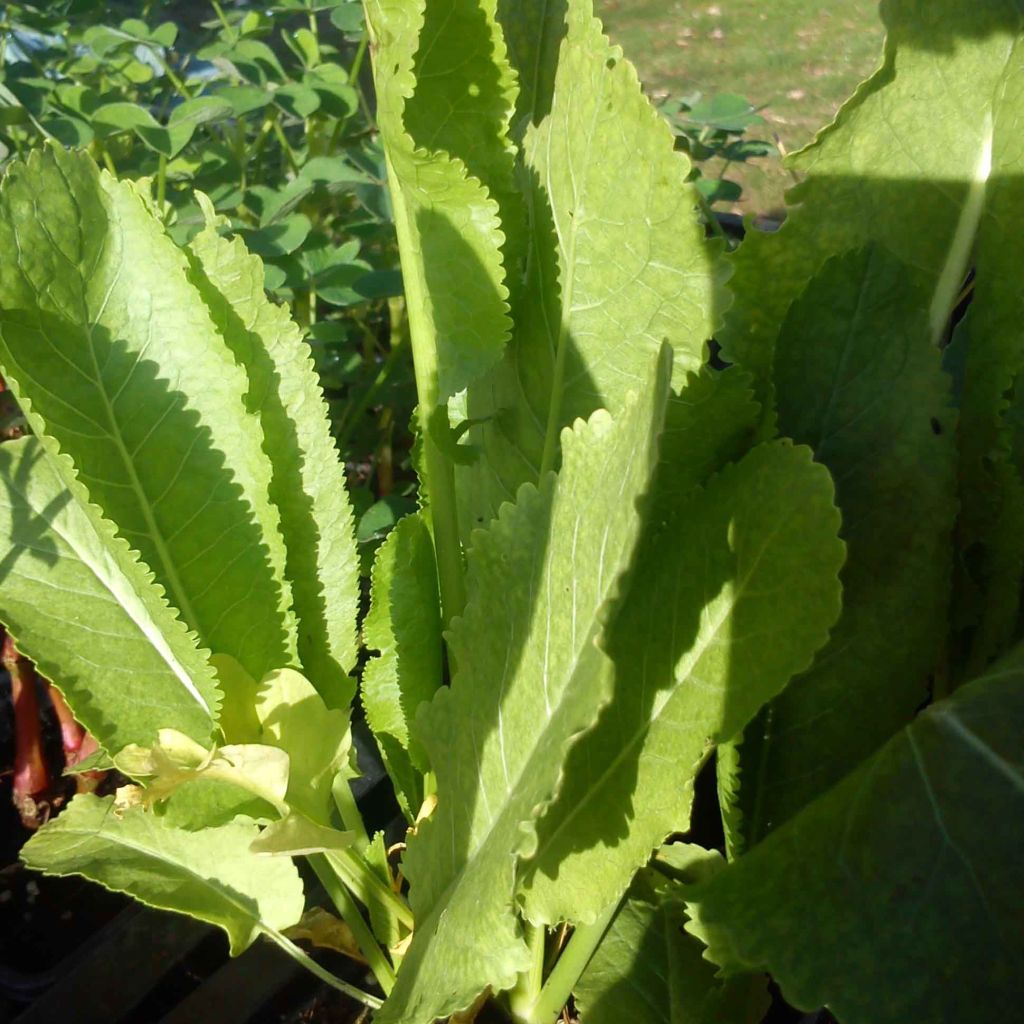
(113, 354)
(616, 262)
(732, 593)
(308, 480)
(897, 895)
(647, 970)
(210, 874)
(83, 607)
(858, 379)
(404, 626)
(447, 223)
(909, 162)
(529, 679)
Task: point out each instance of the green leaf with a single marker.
(97, 761)
(909, 162)
(112, 118)
(329, 174)
(69, 131)
(256, 61)
(725, 112)
(382, 516)
(307, 43)
(732, 592)
(316, 739)
(715, 190)
(150, 405)
(467, 115)
(81, 605)
(123, 117)
(307, 484)
(297, 100)
(380, 284)
(165, 34)
(404, 625)
(617, 260)
(710, 423)
(338, 97)
(648, 970)
(175, 760)
(296, 836)
(104, 41)
(447, 222)
(347, 17)
(529, 677)
(878, 416)
(209, 875)
(280, 238)
(206, 803)
(238, 720)
(245, 99)
(203, 110)
(896, 895)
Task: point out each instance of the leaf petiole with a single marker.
(322, 973)
(367, 887)
(346, 906)
(571, 964)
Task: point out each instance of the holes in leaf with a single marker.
(936, 426)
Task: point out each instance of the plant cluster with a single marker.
(263, 111)
(714, 129)
(797, 577)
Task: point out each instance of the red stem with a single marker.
(71, 732)
(30, 774)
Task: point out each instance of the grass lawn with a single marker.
(801, 58)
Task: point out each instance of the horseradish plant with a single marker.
(625, 562)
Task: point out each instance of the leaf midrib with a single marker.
(220, 888)
(568, 285)
(138, 614)
(178, 592)
(154, 532)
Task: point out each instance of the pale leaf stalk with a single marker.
(350, 914)
(954, 270)
(322, 973)
(567, 971)
(528, 987)
(440, 474)
(367, 887)
(349, 811)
